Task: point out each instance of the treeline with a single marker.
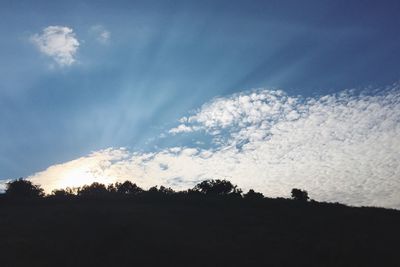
(25, 189)
(213, 223)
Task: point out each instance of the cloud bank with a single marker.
(341, 147)
(57, 42)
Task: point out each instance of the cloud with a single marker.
(341, 147)
(102, 35)
(181, 129)
(59, 43)
(3, 186)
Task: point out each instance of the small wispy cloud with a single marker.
(59, 43)
(341, 147)
(101, 33)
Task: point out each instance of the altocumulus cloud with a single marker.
(341, 147)
(59, 43)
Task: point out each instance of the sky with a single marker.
(270, 95)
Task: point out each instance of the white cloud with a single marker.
(3, 186)
(341, 147)
(181, 129)
(102, 35)
(59, 43)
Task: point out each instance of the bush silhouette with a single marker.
(299, 195)
(217, 188)
(22, 188)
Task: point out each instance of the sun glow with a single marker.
(76, 177)
(82, 171)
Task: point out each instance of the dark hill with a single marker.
(195, 232)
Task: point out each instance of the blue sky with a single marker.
(130, 70)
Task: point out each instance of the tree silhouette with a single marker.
(63, 193)
(128, 188)
(22, 188)
(111, 188)
(252, 195)
(166, 190)
(156, 193)
(300, 195)
(217, 188)
(153, 189)
(94, 190)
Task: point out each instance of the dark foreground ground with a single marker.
(131, 232)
